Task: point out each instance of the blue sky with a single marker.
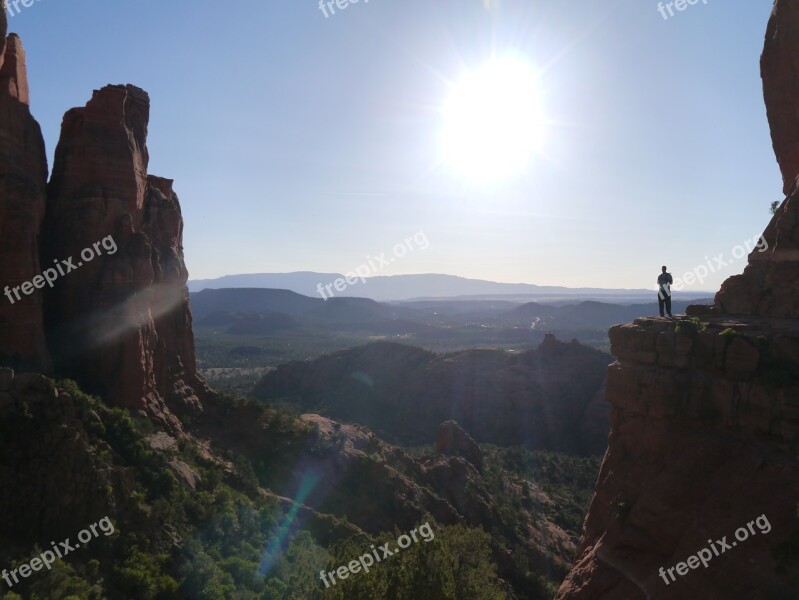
(299, 142)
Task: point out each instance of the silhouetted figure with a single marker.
(664, 292)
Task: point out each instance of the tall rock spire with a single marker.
(14, 73)
(23, 176)
(120, 323)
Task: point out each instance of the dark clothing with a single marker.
(664, 302)
(664, 293)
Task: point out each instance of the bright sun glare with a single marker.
(493, 121)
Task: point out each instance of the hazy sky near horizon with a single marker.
(300, 142)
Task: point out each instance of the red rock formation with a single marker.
(3, 32)
(23, 174)
(781, 87)
(769, 284)
(14, 72)
(705, 416)
(119, 323)
(703, 425)
(452, 440)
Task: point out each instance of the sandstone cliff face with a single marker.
(23, 175)
(781, 87)
(705, 417)
(119, 323)
(703, 442)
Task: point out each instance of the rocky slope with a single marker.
(345, 470)
(541, 399)
(705, 417)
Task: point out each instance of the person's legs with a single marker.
(668, 305)
(660, 306)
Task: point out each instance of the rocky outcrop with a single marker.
(23, 175)
(705, 418)
(769, 284)
(120, 322)
(781, 87)
(454, 441)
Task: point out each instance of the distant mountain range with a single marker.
(426, 286)
(256, 328)
(256, 311)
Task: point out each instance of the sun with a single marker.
(493, 121)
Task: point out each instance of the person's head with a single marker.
(664, 269)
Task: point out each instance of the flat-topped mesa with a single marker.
(120, 323)
(23, 178)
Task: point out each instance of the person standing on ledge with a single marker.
(664, 292)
